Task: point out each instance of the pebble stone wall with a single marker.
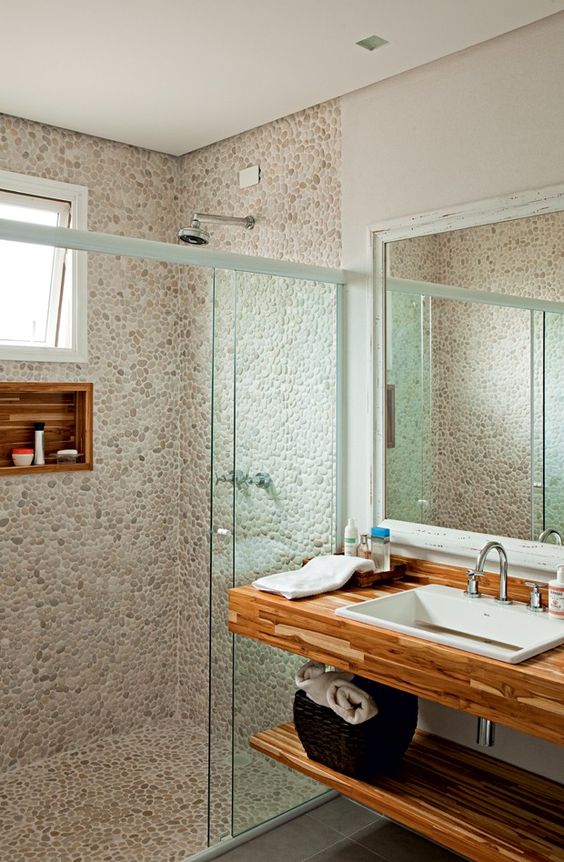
(89, 560)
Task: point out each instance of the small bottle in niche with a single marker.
(380, 546)
(351, 538)
(39, 443)
(364, 547)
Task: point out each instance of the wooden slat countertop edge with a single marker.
(528, 697)
(475, 805)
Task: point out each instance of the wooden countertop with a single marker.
(528, 696)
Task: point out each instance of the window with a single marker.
(42, 288)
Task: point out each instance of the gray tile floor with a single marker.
(340, 831)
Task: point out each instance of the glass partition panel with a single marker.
(275, 414)
(223, 490)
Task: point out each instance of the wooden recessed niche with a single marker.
(66, 410)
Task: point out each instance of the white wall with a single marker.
(479, 124)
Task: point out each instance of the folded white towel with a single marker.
(321, 575)
(350, 702)
(315, 680)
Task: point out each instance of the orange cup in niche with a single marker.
(22, 457)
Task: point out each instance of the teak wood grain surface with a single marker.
(476, 805)
(527, 696)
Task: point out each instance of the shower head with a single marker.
(195, 235)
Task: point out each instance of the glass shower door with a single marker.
(274, 502)
(222, 514)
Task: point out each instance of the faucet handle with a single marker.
(535, 599)
(472, 590)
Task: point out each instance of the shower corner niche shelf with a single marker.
(66, 409)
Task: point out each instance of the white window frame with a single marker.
(77, 197)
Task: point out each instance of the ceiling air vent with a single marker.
(372, 42)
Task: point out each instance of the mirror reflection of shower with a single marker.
(196, 235)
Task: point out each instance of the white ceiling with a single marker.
(175, 75)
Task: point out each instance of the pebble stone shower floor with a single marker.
(123, 799)
(137, 797)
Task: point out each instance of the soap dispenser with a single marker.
(556, 594)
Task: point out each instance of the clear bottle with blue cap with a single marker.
(380, 546)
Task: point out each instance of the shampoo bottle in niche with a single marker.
(351, 538)
(556, 595)
(39, 457)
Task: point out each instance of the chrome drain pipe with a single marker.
(485, 733)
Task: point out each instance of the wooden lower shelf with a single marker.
(475, 805)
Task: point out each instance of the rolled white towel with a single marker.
(350, 702)
(312, 678)
(309, 670)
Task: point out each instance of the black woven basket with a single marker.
(358, 750)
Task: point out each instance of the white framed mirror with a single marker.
(469, 320)
(43, 289)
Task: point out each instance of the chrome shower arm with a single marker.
(246, 221)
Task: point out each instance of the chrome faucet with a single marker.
(545, 535)
(473, 574)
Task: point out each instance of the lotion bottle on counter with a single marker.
(351, 539)
(556, 595)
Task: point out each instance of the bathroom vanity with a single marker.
(473, 804)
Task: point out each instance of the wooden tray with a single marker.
(368, 579)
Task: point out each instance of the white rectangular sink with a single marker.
(509, 633)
